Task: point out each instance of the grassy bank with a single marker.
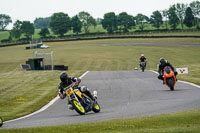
(22, 92)
(132, 32)
(184, 122)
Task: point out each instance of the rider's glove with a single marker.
(61, 96)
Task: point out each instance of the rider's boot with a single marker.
(95, 94)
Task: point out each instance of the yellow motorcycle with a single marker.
(80, 101)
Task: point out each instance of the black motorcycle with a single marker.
(143, 66)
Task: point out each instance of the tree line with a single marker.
(60, 23)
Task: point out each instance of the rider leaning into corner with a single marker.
(67, 81)
(142, 59)
(162, 65)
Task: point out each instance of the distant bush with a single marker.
(5, 40)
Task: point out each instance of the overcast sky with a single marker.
(30, 9)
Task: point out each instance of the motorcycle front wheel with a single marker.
(79, 108)
(142, 69)
(170, 82)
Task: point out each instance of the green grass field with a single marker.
(23, 92)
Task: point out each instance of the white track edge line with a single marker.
(83, 74)
(44, 107)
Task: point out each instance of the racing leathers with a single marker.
(161, 69)
(68, 83)
(142, 59)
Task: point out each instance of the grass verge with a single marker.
(183, 122)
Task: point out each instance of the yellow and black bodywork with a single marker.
(81, 102)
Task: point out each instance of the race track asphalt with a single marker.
(121, 94)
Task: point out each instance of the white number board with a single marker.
(182, 70)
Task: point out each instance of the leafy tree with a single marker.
(189, 17)
(44, 32)
(173, 18)
(195, 6)
(165, 15)
(60, 23)
(86, 19)
(180, 11)
(16, 30)
(41, 23)
(93, 22)
(125, 21)
(141, 20)
(27, 28)
(76, 24)
(109, 22)
(156, 19)
(4, 21)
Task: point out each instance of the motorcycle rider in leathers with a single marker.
(67, 81)
(162, 65)
(142, 59)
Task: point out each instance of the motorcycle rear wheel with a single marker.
(77, 107)
(96, 108)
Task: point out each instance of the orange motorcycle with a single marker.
(169, 78)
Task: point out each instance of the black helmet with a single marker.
(63, 76)
(163, 61)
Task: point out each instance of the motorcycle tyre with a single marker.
(142, 69)
(142, 66)
(1, 122)
(79, 109)
(96, 108)
(172, 88)
(170, 82)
